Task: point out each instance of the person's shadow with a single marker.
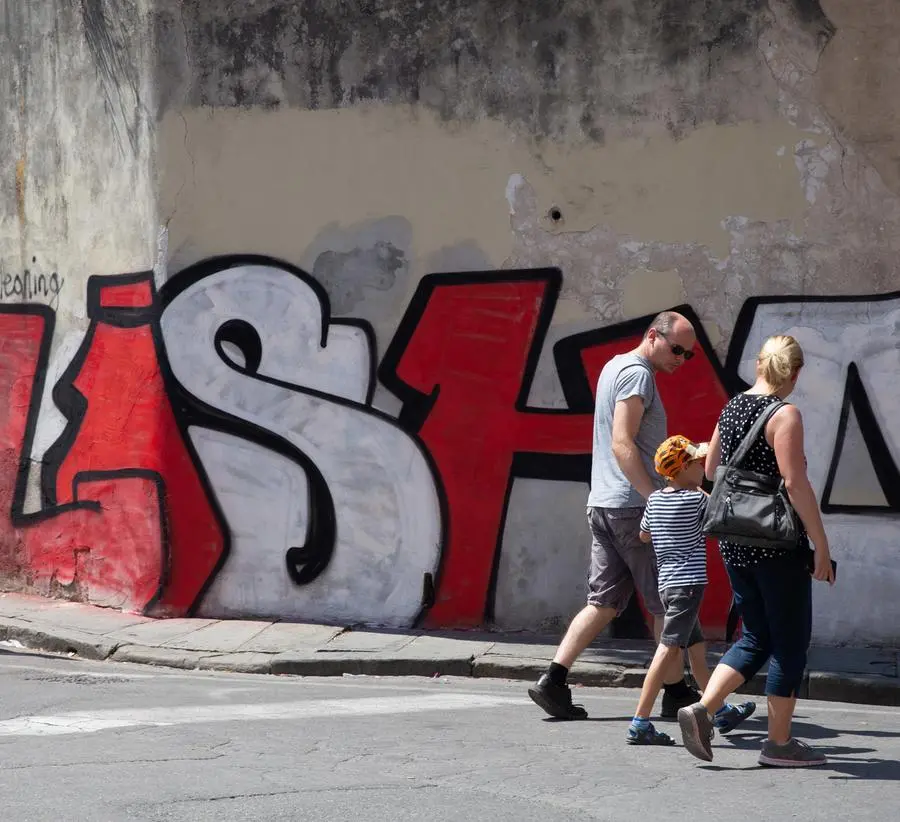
(845, 761)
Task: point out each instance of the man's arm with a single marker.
(644, 530)
(626, 422)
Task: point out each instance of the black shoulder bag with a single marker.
(748, 508)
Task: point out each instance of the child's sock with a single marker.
(640, 724)
(557, 673)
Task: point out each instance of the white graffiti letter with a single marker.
(849, 395)
(333, 509)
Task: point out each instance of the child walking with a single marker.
(672, 520)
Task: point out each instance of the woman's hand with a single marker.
(823, 570)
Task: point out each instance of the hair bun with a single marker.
(778, 360)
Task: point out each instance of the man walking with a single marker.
(629, 425)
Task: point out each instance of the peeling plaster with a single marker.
(643, 291)
(844, 239)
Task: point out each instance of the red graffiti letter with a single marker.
(468, 348)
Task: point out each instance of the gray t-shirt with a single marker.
(624, 376)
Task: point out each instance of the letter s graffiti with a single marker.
(334, 510)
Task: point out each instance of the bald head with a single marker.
(667, 339)
(670, 322)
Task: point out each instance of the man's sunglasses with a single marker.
(677, 350)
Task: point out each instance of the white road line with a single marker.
(93, 721)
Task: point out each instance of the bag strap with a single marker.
(754, 432)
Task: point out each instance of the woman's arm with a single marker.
(785, 433)
(714, 455)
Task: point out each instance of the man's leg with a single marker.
(609, 587)
(583, 630)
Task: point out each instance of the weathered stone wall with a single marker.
(423, 165)
(78, 188)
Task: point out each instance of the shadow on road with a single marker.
(847, 763)
(626, 719)
(868, 769)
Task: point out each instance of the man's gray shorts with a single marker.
(681, 624)
(620, 562)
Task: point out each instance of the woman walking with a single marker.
(772, 586)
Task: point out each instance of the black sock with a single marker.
(557, 673)
(677, 689)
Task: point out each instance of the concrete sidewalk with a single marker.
(864, 675)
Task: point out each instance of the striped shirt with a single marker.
(673, 519)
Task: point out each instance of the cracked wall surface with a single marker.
(77, 194)
(685, 149)
(572, 68)
(657, 153)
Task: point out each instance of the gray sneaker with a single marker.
(793, 754)
(697, 731)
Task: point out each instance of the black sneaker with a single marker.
(556, 700)
(649, 736)
(672, 705)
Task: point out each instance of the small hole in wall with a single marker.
(555, 214)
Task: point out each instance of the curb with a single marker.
(864, 690)
(818, 685)
(55, 640)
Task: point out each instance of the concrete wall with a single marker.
(389, 249)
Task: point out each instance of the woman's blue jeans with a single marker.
(774, 599)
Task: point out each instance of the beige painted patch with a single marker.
(267, 181)
(570, 311)
(647, 292)
(658, 189)
(713, 332)
(858, 77)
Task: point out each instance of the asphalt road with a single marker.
(101, 741)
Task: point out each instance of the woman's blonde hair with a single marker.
(779, 359)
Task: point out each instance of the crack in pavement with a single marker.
(294, 791)
(107, 762)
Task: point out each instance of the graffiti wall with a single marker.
(849, 396)
(456, 214)
(221, 453)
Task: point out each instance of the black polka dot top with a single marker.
(735, 421)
